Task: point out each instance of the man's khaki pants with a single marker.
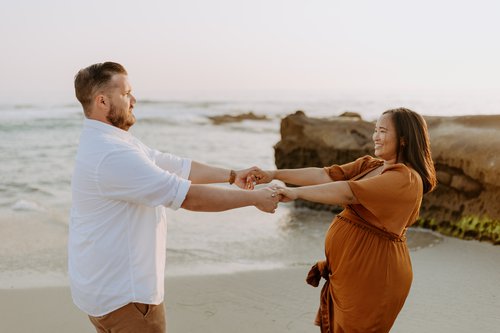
(132, 318)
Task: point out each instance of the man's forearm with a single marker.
(206, 198)
(207, 174)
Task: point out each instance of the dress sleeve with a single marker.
(390, 196)
(349, 170)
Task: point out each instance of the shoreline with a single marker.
(455, 289)
(33, 278)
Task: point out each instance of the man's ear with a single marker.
(100, 107)
(101, 102)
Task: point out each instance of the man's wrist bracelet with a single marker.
(232, 177)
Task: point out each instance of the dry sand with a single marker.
(456, 288)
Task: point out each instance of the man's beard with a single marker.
(121, 119)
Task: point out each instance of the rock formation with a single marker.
(227, 118)
(466, 153)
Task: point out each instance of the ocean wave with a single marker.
(69, 121)
(20, 187)
(26, 205)
(9, 107)
(159, 102)
(196, 253)
(71, 105)
(158, 121)
(185, 104)
(252, 129)
(37, 107)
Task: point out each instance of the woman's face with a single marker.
(385, 139)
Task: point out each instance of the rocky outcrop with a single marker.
(466, 153)
(227, 118)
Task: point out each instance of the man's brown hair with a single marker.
(91, 79)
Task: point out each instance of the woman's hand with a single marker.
(244, 178)
(258, 176)
(287, 194)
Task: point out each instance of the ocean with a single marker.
(37, 149)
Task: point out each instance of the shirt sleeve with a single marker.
(128, 175)
(169, 162)
(389, 196)
(349, 170)
(174, 164)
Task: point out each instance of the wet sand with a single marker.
(455, 289)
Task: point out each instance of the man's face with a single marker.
(121, 102)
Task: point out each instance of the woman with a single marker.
(367, 268)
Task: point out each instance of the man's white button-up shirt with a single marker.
(117, 230)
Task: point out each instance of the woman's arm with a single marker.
(333, 193)
(301, 177)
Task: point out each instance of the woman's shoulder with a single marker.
(404, 173)
(398, 167)
(368, 161)
(366, 158)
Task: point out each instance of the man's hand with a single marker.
(267, 199)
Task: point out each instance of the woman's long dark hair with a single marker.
(414, 148)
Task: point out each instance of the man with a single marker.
(120, 188)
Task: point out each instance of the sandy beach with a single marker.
(455, 289)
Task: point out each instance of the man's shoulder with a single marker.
(100, 141)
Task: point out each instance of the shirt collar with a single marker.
(106, 128)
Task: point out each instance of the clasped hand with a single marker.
(269, 196)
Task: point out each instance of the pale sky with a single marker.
(170, 47)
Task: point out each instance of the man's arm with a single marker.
(207, 174)
(205, 198)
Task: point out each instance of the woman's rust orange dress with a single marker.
(368, 269)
